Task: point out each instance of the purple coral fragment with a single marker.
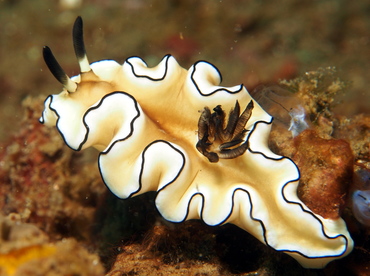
(361, 206)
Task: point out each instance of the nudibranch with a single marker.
(165, 129)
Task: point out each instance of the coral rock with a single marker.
(326, 168)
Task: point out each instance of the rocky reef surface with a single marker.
(58, 218)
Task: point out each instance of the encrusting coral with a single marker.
(316, 90)
(39, 180)
(39, 190)
(348, 138)
(26, 250)
(326, 167)
(326, 163)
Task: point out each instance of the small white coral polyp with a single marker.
(156, 132)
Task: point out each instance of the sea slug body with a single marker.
(165, 129)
